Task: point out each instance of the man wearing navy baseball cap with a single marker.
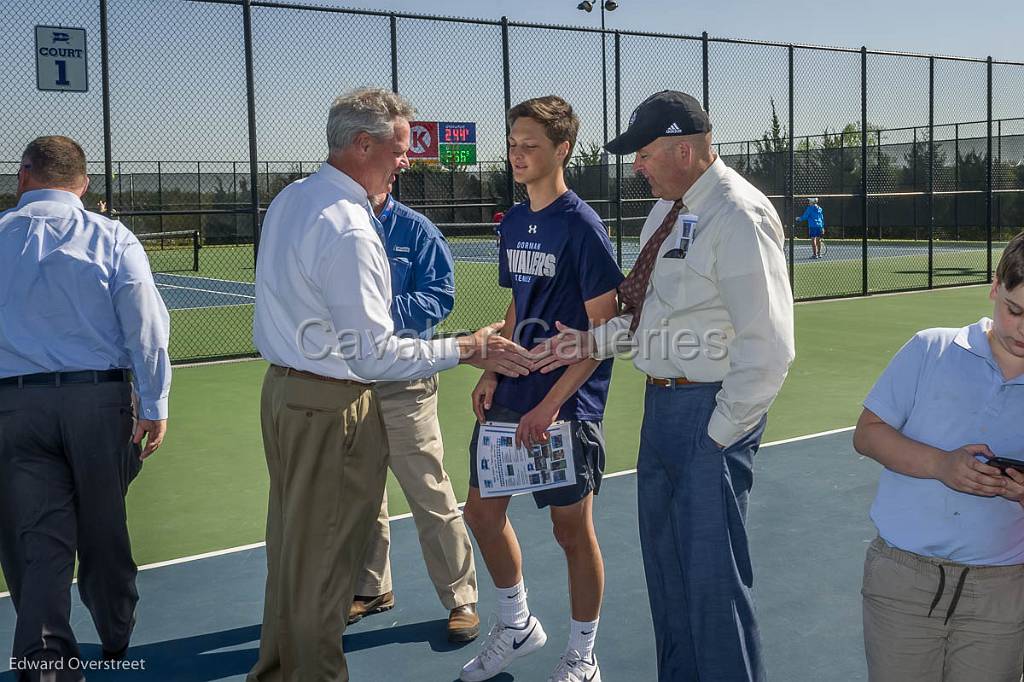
(664, 114)
(708, 317)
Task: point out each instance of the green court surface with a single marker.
(202, 329)
(206, 489)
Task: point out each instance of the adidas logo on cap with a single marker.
(674, 130)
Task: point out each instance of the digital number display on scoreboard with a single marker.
(448, 143)
(457, 133)
(458, 154)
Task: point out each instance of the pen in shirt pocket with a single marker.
(686, 226)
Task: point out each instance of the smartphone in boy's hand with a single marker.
(1004, 463)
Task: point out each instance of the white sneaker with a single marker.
(573, 668)
(504, 644)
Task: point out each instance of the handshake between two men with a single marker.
(492, 349)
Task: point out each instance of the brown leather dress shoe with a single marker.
(365, 606)
(463, 624)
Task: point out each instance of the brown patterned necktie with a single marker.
(633, 289)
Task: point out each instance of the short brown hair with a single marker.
(1011, 265)
(556, 115)
(55, 160)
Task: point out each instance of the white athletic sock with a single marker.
(513, 610)
(581, 637)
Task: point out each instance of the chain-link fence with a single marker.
(200, 111)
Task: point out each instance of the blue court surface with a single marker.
(182, 292)
(809, 529)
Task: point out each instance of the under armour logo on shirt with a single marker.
(532, 229)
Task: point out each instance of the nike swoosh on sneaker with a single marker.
(591, 678)
(516, 643)
(586, 633)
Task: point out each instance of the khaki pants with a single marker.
(983, 640)
(417, 460)
(327, 456)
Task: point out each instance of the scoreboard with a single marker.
(447, 143)
(457, 133)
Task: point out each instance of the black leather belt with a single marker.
(88, 376)
(671, 383)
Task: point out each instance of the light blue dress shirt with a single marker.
(76, 293)
(944, 389)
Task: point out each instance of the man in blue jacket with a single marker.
(423, 285)
(815, 218)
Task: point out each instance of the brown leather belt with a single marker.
(671, 383)
(291, 371)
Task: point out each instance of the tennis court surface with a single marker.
(206, 490)
(186, 290)
(200, 620)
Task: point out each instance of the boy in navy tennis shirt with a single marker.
(555, 256)
(554, 260)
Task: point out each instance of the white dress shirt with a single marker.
(323, 288)
(723, 313)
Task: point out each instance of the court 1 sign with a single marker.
(61, 60)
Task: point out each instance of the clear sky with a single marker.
(972, 29)
(178, 81)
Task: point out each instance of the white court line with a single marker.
(206, 291)
(399, 517)
(229, 361)
(208, 307)
(212, 279)
(765, 445)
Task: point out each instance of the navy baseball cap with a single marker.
(665, 113)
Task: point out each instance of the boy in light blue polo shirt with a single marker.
(943, 593)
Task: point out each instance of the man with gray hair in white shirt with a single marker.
(322, 321)
(708, 314)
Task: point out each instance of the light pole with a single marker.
(611, 6)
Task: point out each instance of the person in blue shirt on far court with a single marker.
(423, 291)
(80, 320)
(555, 256)
(943, 592)
(815, 218)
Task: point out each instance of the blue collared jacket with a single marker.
(422, 270)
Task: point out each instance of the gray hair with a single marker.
(366, 110)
